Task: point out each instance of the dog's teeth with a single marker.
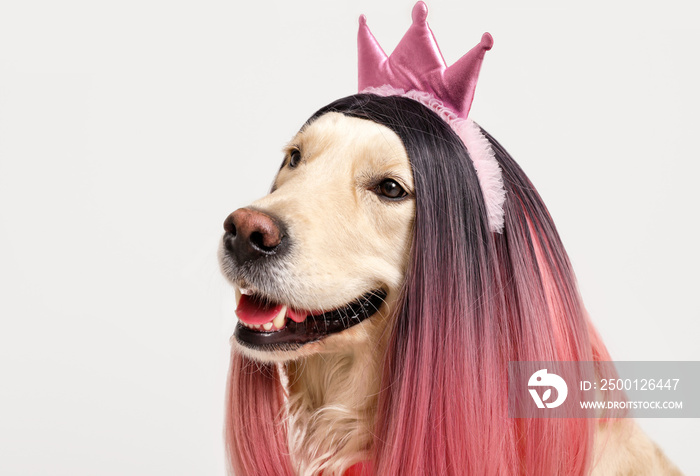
(278, 322)
(238, 296)
(257, 326)
(267, 326)
(246, 291)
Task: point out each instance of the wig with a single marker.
(473, 301)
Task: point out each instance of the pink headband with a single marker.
(417, 70)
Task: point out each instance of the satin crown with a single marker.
(417, 64)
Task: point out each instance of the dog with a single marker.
(400, 261)
(370, 290)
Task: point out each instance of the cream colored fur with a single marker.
(348, 241)
(623, 449)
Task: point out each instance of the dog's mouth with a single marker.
(265, 325)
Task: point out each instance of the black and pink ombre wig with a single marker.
(473, 300)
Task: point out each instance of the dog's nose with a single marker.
(251, 234)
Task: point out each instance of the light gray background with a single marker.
(130, 129)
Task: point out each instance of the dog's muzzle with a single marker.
(256, 246)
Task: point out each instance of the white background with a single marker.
(130, 129)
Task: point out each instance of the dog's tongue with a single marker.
(251, 311)
(297, 316)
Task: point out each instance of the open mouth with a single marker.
(262, 324)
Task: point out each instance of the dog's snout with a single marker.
(251, 234)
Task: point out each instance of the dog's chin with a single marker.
(298, 334)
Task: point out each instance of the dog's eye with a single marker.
(391, 189)
(294, 158)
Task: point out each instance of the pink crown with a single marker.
(417, 70)
(417, 64)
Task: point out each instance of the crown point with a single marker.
(487, 41)
(420, 12)
(363, 20)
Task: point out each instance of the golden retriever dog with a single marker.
(381, 297)
(329, 369)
